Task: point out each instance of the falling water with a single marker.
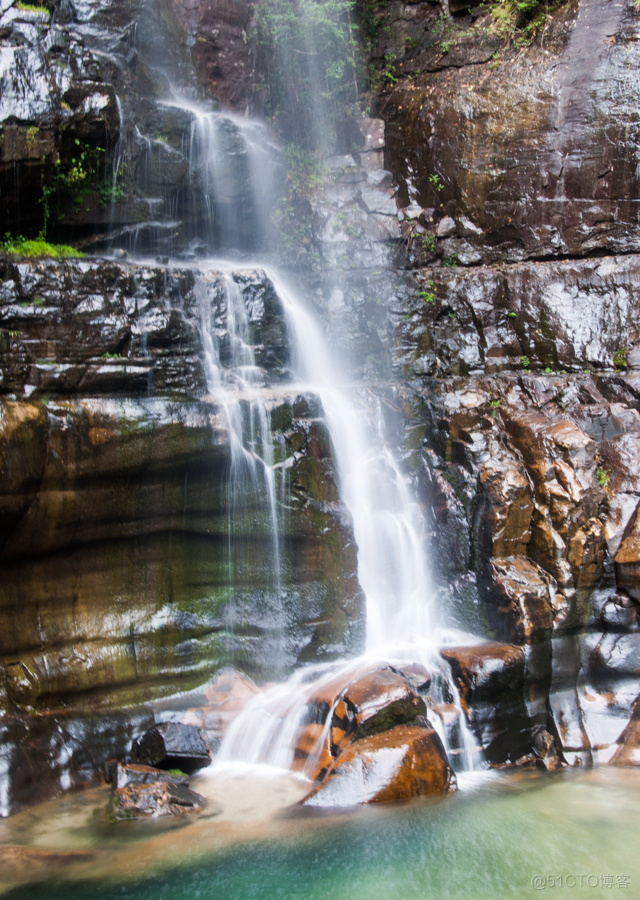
(403, 626)
(226, 152)
(237, 386)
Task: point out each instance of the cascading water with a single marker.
(403, 626)
(237, 386)
(226, 153)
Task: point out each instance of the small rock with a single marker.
(153, 801)
(126, 775)
(446, 227)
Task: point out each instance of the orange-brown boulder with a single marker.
(627, 561)
(224, 697)
(484, 671)
(359, 703)
(407, 761)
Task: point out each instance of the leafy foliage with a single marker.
(73, 179)
(522, 19)
(20, 246)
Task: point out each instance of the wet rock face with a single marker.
(100, 327)
(561, 315)
(389, 767)
(220, 49)
(536, 157)
(115, 474)
(83, 111)
(492, 681)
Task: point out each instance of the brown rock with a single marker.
(484, 671)
(407, 761)
(524, 594)
(153, 801)
(627, 561)
(369, 703)
(229, 691)
(506, 508)
(628, 752)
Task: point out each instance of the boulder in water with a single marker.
(359, 704)
(491, 678)
(172, 745)
(122, 775)
(407, 761)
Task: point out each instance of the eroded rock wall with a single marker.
(134, 560)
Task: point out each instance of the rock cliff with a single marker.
(480, 246)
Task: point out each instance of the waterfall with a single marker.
(237, 386)
(403, 623)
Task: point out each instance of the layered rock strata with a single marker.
(116, 510)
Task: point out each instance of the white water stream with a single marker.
(403, 624)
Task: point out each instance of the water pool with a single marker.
(567, 834)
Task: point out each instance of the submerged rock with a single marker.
(404, 762)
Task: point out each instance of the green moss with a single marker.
(20, 246)
(32, 7)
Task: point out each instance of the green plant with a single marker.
(31, 7)
(112, 356)
(436, 183)
(429, 243)
(549, 370)
(620, 359)
(110, 191)
(20, 246)
(72, 179)
(451, 261)
(388, 73)
(445, 46)
(511, 315)
(495, 404)
(428, 295)
(521, 20)
(525, 362)
(32, 134)
(602, 477)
